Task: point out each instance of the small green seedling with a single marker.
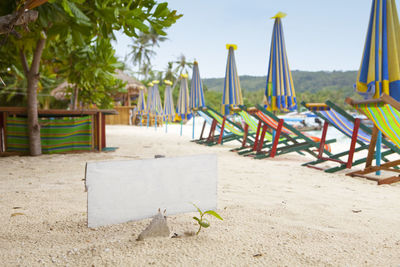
(204, 222)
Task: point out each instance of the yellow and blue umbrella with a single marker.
(142, 107)
(169, 111)
(279, 91)
(380, 65)
(149, 97)
(196, 93)
(183, 109)
(232, 95)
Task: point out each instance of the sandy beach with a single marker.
(276, 212)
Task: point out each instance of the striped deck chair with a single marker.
(385, 114)
(208, 120)
(239, 134)
(254, 126)
(296, 141)
(350, 127)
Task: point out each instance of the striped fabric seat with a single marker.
(232, 128)
(209, 121)
(57, 135)
(253, 124)
(385, 117)
(272, 123)
(344, 125)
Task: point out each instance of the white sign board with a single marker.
(121, 191)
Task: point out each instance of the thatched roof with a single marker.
(132, 85)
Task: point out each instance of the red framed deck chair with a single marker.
(384, 112)
(350, 127)
(215, 130)
(296, 141)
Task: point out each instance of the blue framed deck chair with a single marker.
(217, 129)
(351, 127)
(384, 112)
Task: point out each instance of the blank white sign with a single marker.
(121, 191)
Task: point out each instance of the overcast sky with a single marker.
(319, 34)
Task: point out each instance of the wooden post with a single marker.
(99, 130)
(5, 115)
(353, 143)
(103, 129)
(93, 132)
(1, 132)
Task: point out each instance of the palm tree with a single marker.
(142, 51)
(154, 37)
(182, 67)
(169, 73)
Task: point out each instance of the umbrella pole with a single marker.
(141, 120)
(193, 126)
(181, 126)
(166, 126)
(155, 122)
(148, 120)
(378, 151)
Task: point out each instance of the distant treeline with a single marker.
(310, 87)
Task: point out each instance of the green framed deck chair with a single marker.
(238, 132)
(295, 141)
(384, 112)
(351, 127)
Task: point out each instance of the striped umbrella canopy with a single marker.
(196, 87)
(279, 91)
(155, 107)
(149, 96)
(182, 108)
(380, 66)
(169, 111)
(232, 96)
(141, 105)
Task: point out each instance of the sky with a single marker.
(319, 34)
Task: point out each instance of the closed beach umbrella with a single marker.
(169, 111)
(380, 65)
(156, 106)
(279, 91)
(149, 101)
(141, 105)
(196, 93)
(232, 95)
(182, 108)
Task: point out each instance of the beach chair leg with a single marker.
(353, 143)
(202, 130)
(222, 131)
(277, 136)
(261, 141)
(212, 131)
(323, 138)
(371, 149)
(246, 131)
(255, 146)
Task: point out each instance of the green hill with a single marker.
(303, 81)
(310, 87)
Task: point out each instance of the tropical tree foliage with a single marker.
(76, 25)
